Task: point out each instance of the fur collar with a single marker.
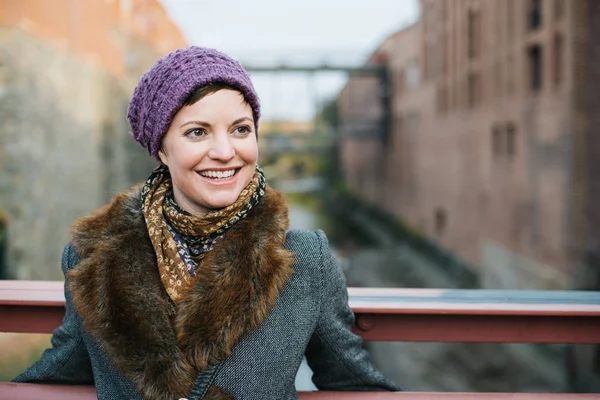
(117, 291)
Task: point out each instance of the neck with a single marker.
(187, 205)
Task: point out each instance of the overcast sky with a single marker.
(279, 31)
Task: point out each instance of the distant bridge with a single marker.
(379, 70)
(308, 57)
(375, 70)
(293, 143)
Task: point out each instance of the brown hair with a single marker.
(204, 91)
(201, 93)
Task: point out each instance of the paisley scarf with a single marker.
(180, 239)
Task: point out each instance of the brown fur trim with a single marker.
(118, 293)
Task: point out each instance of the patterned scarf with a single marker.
(181, 240)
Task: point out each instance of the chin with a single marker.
(221, 203)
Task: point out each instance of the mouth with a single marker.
(219, 175)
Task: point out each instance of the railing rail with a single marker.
(422, 315)
(27, 391)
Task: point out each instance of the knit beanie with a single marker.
(163, 90)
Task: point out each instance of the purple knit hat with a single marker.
(162, 90)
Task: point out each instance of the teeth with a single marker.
(218, 174)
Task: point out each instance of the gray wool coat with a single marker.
(117, 336)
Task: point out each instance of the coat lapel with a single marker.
(118, 293)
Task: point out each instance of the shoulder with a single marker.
(314, 258)
(311, 241)
(311, 248)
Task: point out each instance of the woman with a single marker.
(190, 286)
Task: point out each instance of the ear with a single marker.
(163, 157)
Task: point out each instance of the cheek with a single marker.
(182, 162)
(249, 151)
(186, 156)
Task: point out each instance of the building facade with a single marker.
(492, 150)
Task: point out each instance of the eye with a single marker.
(243, 130)
(195, 133)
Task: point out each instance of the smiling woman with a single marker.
(210, 149)
(190, 285)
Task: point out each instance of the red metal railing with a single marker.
(381, 314)
(25, 391)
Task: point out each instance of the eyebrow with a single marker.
(206, 124)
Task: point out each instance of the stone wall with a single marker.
(64, 147)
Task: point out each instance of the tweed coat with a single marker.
(264, 297)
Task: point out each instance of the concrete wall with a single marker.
(61, 148)
(64, 143)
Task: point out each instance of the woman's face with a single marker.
(211, 151)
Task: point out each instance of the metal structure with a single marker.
(316, 142)
(380, 130)
(379, 71)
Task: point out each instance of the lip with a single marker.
(220, 168)
(220, 182)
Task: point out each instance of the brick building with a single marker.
(491, 149)
(67, 70)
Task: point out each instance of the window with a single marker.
(473, 90)
(511, 140)
(558, 59)
(559, 9)
(440, 221)
(473, 34)
(534, 54)
(397, 147)
(412, 75)
(497, 142)
(535, 14)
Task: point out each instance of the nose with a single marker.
(221, 148)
